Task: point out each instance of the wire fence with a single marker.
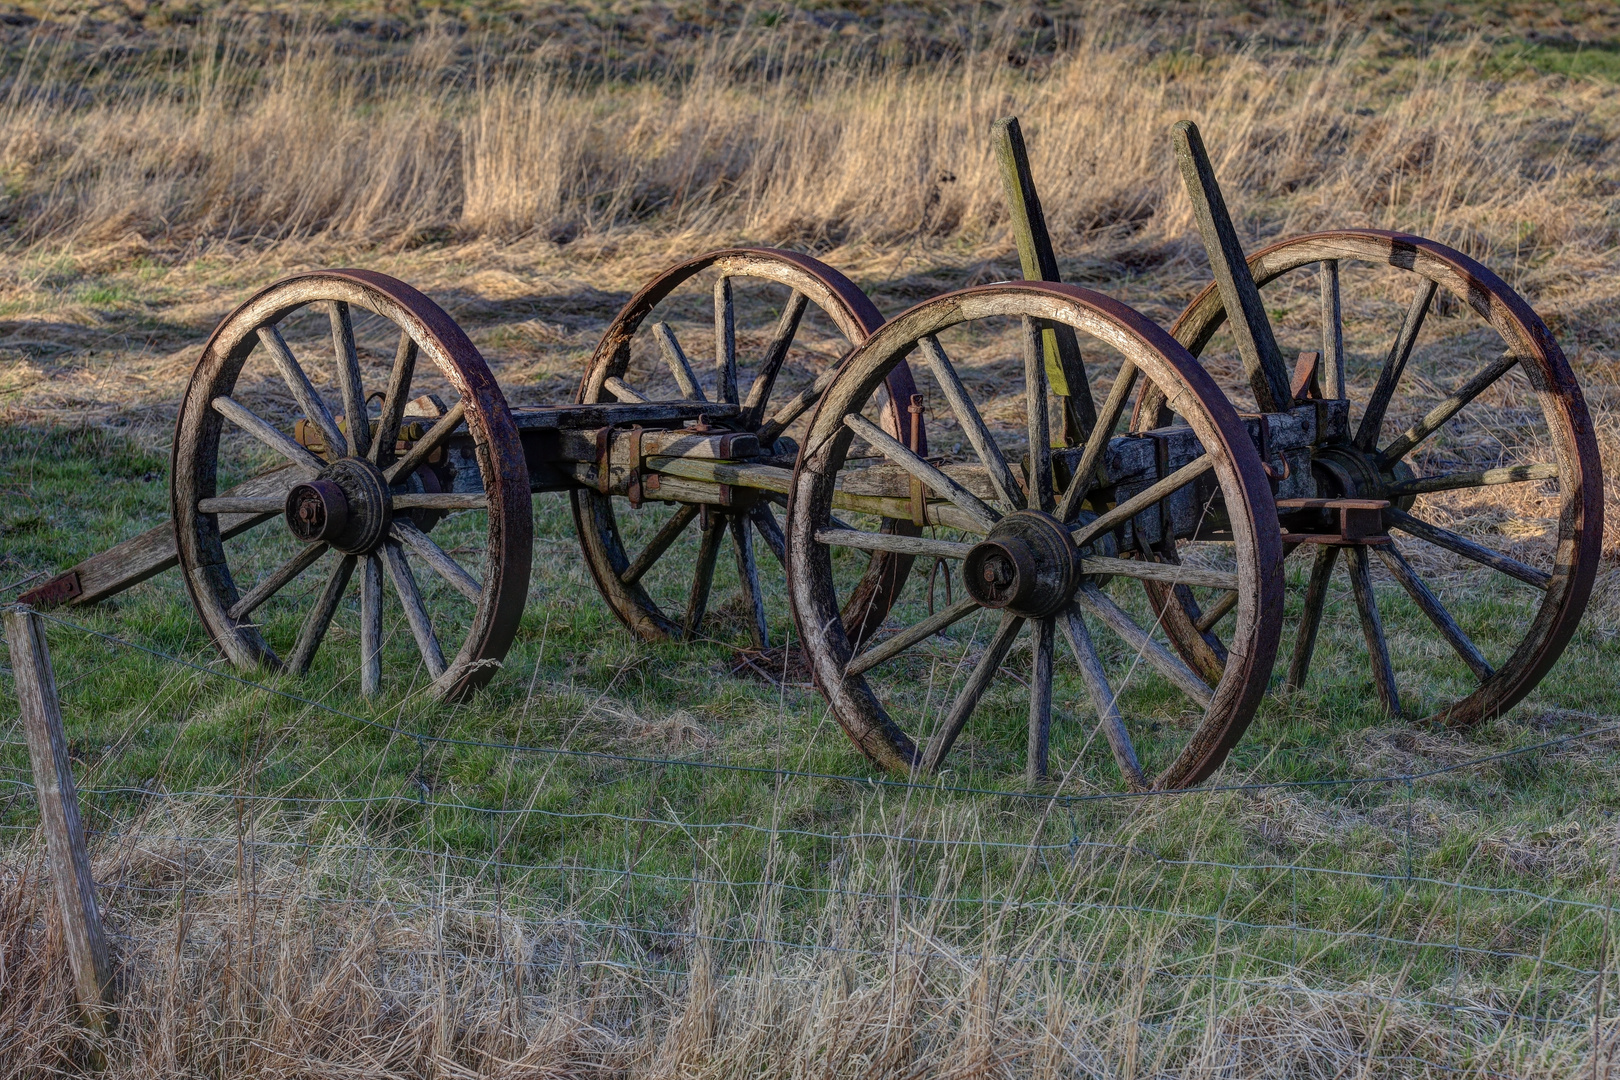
(501, 905)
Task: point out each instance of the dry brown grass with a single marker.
(285, 959)
(140, 199)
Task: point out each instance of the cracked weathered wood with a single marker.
(58, 800)
(1257, 345)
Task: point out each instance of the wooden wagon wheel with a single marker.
(808, 317)
(1420, 442)
(1034, 547)
(357, 489)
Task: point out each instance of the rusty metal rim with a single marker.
(594, 519)
(497, 446)
(1161, 359)
(1580, 544)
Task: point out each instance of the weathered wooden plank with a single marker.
(121, 566)
(1102, 697)
(1039, 738)
(58, 799)
(904, 545)
(1467, 548)
(571, 417)
(910, 636)
(1431, 606)
(1246, 313)
(1507, 474)
(1372, 629)
(978, 681)
(1310, 620)
(1060, 348)
(1389, 376)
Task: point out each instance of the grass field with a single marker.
(333, 885)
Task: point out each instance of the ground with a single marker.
(627, 855)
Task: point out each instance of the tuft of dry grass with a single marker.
(150, 178)
(274, 955)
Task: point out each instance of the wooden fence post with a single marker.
(59, 812)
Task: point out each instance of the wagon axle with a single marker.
(1113, 510)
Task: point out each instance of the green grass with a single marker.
(619, 840)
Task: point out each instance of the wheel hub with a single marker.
(1342, 471)
(346, 506)
(1028, 565)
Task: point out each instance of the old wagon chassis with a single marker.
(1142, 482)
(684, 452)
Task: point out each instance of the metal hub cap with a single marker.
(347, 506)
(1343, 472)
(1028, 565)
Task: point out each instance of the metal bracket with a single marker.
(633, 482)
(59, 590)
(1357, 521)
(919, 500)
(604, 460)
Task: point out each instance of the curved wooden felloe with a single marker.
(426, 333)
(846, 673)
(596, 515)
(1580, 524)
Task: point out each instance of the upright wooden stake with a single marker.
(59, 812)
(1065, 368)
(1245, 314)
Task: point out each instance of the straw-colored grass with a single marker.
(529, 178)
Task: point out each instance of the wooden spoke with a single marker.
(679, 366)
(765, 521)
(371, 627)
(1161, 659)
(1173, 573)
(1431, 606)
(349, 384)
(660, 543)
(1102, 697)
(899, 643)
(891, 448)
(410, 598)
(266, 432)
(320, 616)
(1040, 431)
(1372, 420)
(1040, 697)
(1310, 620)
(1010, 492)
(446, 500)
(1139, 502)
(1444, 538)
(422, 448)
(904, 545)
(276, 581)
(978, 682)
(742, 539)
(1511, 474)
(242, 504)
(801, 403)
(703, 577)
(394, 400)
(1217, 611)
(787, 328)
(1436, 417)
(725, 340)
(303, 391)
(1085, 473)
(621, 390)
(1372, 628)
(406, 532)
(1332, 331)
